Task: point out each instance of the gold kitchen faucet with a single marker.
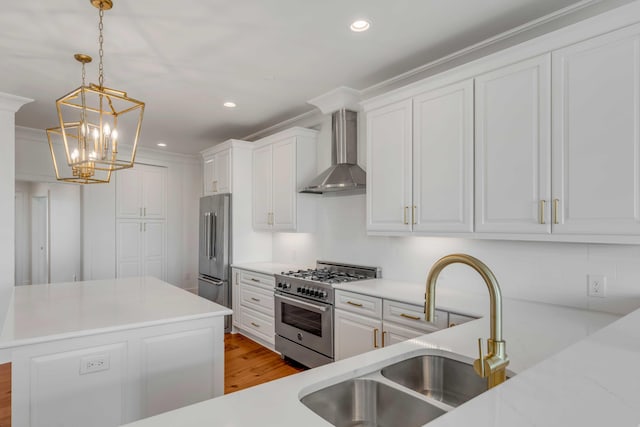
(492, 365)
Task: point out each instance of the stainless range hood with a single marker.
(344, 173)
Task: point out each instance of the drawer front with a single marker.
(257, 298)
(412, 316)
(256, 279)
(357, 303)
(258, 324)
(457, 319)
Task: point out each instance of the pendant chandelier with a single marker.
(98, 127)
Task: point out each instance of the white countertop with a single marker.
(40, 313)
(269, 267)
(567, 373)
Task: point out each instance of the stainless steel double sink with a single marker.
(407, 393)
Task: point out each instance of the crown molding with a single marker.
(12, 103)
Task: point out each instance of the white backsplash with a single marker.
(536, 271)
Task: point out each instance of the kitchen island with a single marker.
(572, 368)
(106, 352)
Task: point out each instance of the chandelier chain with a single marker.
(101, 50)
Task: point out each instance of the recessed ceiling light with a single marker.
(161, 144)
(230, 104)
(360, 25)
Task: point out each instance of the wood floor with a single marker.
(246, 364)
(5, 395)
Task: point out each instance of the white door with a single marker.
(443, 159)
(129, 250)
(262, 188)
(355, 334)
(596, 135)
(512, 188)
(284, 185)
(154, 191)
(128, 193)
(389, 175)
(222, 183)
(39, 240)
(153, 247)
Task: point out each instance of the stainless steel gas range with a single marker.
(304, 309)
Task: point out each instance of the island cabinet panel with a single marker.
(176, 362)
(67, 391)
(596, 135)
(513, 143)
(109, 379)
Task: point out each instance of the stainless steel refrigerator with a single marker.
(215, 251)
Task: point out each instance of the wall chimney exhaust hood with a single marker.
(344, 173)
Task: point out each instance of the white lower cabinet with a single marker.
(253, 305)
(364, 323)
(110, 379)
(141, 248)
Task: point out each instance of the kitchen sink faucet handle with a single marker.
(480, 361)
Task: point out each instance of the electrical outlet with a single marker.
(597, 285)
(94, 363)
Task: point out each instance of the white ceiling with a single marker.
(185, 58)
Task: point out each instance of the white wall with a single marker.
(33, 162)
(537, 271)
(9, 104)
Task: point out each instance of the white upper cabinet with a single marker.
(512, 148)
(420, 163)
(141, 192)
(284, 185)
(217, 171)
(262, 187)
(389, 177)
(443, 159)
(283, 163)
(596, 135)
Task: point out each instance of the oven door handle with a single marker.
(299, 303)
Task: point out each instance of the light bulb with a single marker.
(74, 154)
(114, 134)
(95, 133)
(107, 129)
(92, 155)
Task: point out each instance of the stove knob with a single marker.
(279, 285)
(304, 290)
(323, 295)
(299, 290)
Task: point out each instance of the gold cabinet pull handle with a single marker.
(255, 280)
(405, 215)
(354, 303)
(555, 211)
(255, 324)
(375, 338)
(383, 334)
(255, 299)
(413, 215)
(542, 205)
(408, 316)
(144, 210)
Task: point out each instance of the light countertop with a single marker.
(574, 368)
(40, 313)
(270, 268)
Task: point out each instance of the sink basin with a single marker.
(366, 402)
(437, 377)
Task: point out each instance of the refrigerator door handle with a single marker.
(215, 235)
(207, 244)
(212, 281)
